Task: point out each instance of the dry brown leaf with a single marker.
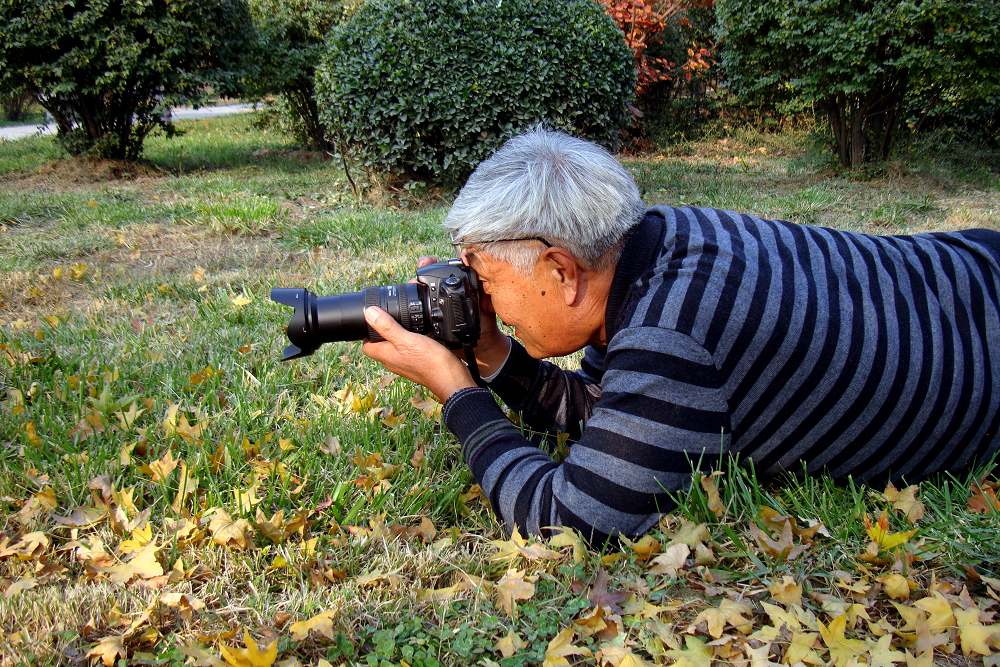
(29, 547)
(226, 532)
(510, 644)
(905, 501)
(711, 488)
(514, 586)
(560, 647)
(23, 584)
(107, 650)
(160, 469)
(671, 561)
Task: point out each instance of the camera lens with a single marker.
(324, 319)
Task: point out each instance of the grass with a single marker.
(149, 294)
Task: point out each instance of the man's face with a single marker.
(531, 303)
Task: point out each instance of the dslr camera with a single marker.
(443, 304)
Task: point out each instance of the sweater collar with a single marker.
(642, 244)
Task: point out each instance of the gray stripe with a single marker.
(655, 339)
(741, 307)
(680, 285)
(594, 512)
(654, 433)
(627, 474)
(484, 433)
(659, 387)
(716, 280)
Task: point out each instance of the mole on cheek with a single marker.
(543, 292)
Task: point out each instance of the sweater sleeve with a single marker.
(548, 397)
(661, 414)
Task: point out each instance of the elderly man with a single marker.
(705, 332)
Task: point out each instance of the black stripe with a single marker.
(947, 370)
(968, 373)
(732, 284)
(657, 459)
(545, 510)
(692, 304)
(612, 494)
(664, 412)
(851, 363)
(898, 382)
(674, 265)
(663, 364)
(793, 363)
(595, 538)
(827, 350)
(786, 301)
(919, 292)
(757, 303)
(875, 373)
(522, 506)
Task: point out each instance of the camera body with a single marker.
(453, 302)
(443, 304)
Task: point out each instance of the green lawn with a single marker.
(152, 445)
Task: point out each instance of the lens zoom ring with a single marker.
(372, 299)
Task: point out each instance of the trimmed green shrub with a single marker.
(107, 69)
(860, 62)
(291, 36)
(429, 88)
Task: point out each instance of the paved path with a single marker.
(13, 132)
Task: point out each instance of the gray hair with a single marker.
(547, 184)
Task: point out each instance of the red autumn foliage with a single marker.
(643, 22)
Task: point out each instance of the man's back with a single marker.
(863, 355)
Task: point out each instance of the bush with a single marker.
(106, 70)
(291, 36)
(429, 88)
(859, 62)
(15, 105)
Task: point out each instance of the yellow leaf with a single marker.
(711, 488)
(31, 434)
(801, 649)
(143, 565)
(645, 548)
(246, 500)
(513, 586)
(940, 616)
(787, 591)
(510, 644)
(140, 538)
(696, 654)
(160, 469)
(22, 584)
(925, 659)
(187, 485)
(321, 624)
(517, 547)
(881, 653)
(568, 537)
(670, 561)
(227, 532)
(252, 655)
(428, 406)
(107, 650)
(842, 650)
(728, 612)
(690, 534)
(879, 533)
(896, 586)
(240, 301)
(185, 604)
(29, 547)
(441, 594)
(560, 647)
(286, 444)
(610, 655)
(975, 636)
(905, 501)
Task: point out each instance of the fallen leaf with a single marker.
(227, 532)
(107, 650)
(881, 653)
(602, 597)
(879, 533)
(565, 536)
(510, 644)
(842, 650)
(514, 586)
(321, 624)
(252, 655)
(905, 501)
(160, 469)
(896, 586)
(671, 561)
(610, 655)
(517, 547)
(976, 637)
(787, 591)
(711, 488)
(560, 647)
(19, 586)
(696, 654)
(142, 565)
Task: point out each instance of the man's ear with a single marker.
(565, 273)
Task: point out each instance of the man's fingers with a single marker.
(425, 260)
(382, 322)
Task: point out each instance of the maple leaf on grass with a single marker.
(321, 624)
(514, 586)
(695, 654)
(517, 547)
(107, 650)
(880, 534)
(602, 597)
(510, 644)
(976, 638)
(842, 649)
(560, 647)
(252, 655)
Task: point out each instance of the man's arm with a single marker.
(547, 397)
(662, 412)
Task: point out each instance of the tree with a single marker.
(858, 61)
(106, 69)
(291, 36)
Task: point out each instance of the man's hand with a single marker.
(493, 345)
(414, 356)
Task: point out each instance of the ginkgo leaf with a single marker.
(321, 624)
(252, 655)
(560, 647)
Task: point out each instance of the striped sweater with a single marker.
(876, 357)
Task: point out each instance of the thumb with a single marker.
(383, 323)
